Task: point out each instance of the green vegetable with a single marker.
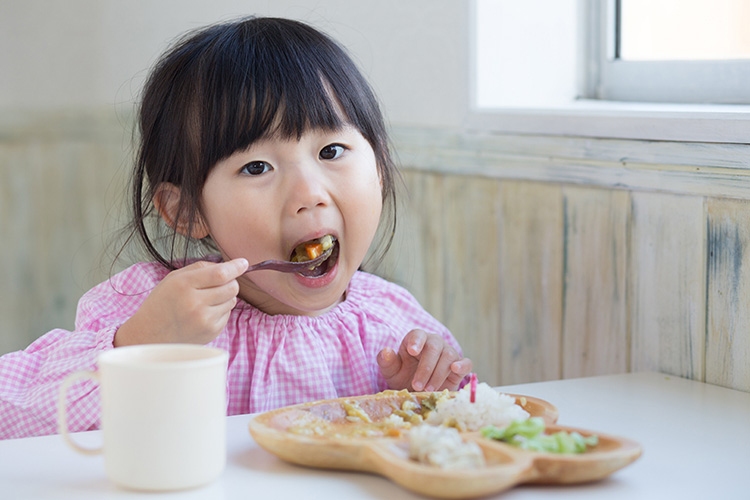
(529, 435)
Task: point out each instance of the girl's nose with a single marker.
(308, 189)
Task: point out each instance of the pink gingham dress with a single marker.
(274, 361)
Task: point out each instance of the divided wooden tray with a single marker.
(506, 466)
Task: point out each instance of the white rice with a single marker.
(490, 408)
(443, 447)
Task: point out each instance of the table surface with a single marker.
(695, 437)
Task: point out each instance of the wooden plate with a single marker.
(506, 465)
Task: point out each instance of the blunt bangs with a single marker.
(278, 79)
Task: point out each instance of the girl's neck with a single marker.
(274, 308)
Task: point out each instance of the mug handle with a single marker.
(62, 411)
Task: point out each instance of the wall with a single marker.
(71, 73)
(96, 53)
(547, 256)
(558, 257)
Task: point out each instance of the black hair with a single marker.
(223, 87)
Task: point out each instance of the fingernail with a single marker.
(429, 388)
(417, 386)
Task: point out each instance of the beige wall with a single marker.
(547, 256)
(71, 73)
(95, 53)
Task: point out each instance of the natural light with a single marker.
(685, 30)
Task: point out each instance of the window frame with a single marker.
(615, 79)
(584, 116)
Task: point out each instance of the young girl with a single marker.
(259, 138)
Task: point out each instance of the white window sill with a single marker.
(621, 120)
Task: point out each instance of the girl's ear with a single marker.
(167, 203)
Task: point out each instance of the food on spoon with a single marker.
(529, 435)
(312, 249)
(443, 447)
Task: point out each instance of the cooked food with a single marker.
(391, 412)
(443, 447)
(312, 249)
(529, 435)
(386, 414)
(490, 408)
(390, 433)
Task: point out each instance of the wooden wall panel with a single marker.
(547, 257)
(56, 211)
(530, 282)
(667, 284)
(728, 301)
(472, 248)
(416, 259)
(595, 336)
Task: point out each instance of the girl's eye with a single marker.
(256, 168)
(331, 152)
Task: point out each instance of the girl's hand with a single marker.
(189, 305)
(424, 362)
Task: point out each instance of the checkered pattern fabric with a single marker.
(274, 361)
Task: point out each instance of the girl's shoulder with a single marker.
(389, 303)
(371, 289)
(132, 284)
(367, 283)
(113, 301)
(135, 279)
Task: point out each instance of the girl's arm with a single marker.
(144, 303)
(30, 381)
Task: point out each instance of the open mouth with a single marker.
(315, 249)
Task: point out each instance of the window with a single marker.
(670, 51)
(606, 68)
(522, 58)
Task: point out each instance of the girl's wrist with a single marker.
(128, 334)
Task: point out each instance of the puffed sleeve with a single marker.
(30, 379)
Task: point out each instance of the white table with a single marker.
(695, 436)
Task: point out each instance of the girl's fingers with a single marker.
(413, 343)
(459, 370)
(219, 295)
(442, 369)
(462, 367)
(428, 359)
(389, 363)
(222, 314)
(209, 275)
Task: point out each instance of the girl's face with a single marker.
(261, 203)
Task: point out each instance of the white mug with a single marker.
(163, 415)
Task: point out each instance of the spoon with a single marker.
(306, 268)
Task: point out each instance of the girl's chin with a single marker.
(308, 296)
(321, 281)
